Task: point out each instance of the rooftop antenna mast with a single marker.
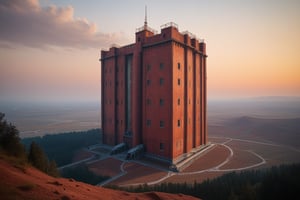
(145, 23)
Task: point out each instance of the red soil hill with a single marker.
(19, 182)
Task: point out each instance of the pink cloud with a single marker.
(25, 22)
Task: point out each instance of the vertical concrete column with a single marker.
(102, 94)
(136, 103)
(185, 102)
(116, 98)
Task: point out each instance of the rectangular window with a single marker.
(178, 123)
(161, 146)
(161, 81)
(178, 65)
(148, 82)
(127, 100)
(161, 124)
(148, 101)
(148, 122)
(178, 81)
(161, 66)
(161, 102)
(178, 101)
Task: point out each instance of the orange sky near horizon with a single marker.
(253, 48)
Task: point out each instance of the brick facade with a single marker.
(154, 93)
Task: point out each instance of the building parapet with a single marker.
(146, 28)
(115, 46)
(129, 46)
(170, 24)
(192, 36)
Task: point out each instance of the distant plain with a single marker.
(247, 133)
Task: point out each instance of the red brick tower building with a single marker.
(154, 93)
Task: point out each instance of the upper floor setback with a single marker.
(147, 37)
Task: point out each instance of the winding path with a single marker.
(216, 168)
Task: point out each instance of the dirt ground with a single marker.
(108, 167)
(137, 173)
(209, 159)
(81, 155)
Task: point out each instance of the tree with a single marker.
(52, 169)
(10, 141)
(37, 157)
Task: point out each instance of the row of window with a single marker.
(161, 66)
(111, 121)
(148, 82)
(161, 81)
(161, 123)
(110, 82)
(148, 101)
(148, 122)
(110, 70)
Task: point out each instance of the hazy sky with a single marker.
(49, 49)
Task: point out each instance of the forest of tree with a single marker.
(44, 152)
(278, 182)
(63, 146)
(10, 145)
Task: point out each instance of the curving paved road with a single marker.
(216, 168)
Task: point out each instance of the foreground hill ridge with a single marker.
(25, 182)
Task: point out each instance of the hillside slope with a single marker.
(28, 183)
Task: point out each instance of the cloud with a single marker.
(25, 22)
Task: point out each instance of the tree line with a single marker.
(44, 152)
(63, 146)
(277, 182)
(10, 145)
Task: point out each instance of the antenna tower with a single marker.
(145, 23)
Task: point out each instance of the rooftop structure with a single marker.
(154, 93)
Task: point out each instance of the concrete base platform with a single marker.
(187, 159)
(180, 163)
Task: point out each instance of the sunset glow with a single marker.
(49, 49)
